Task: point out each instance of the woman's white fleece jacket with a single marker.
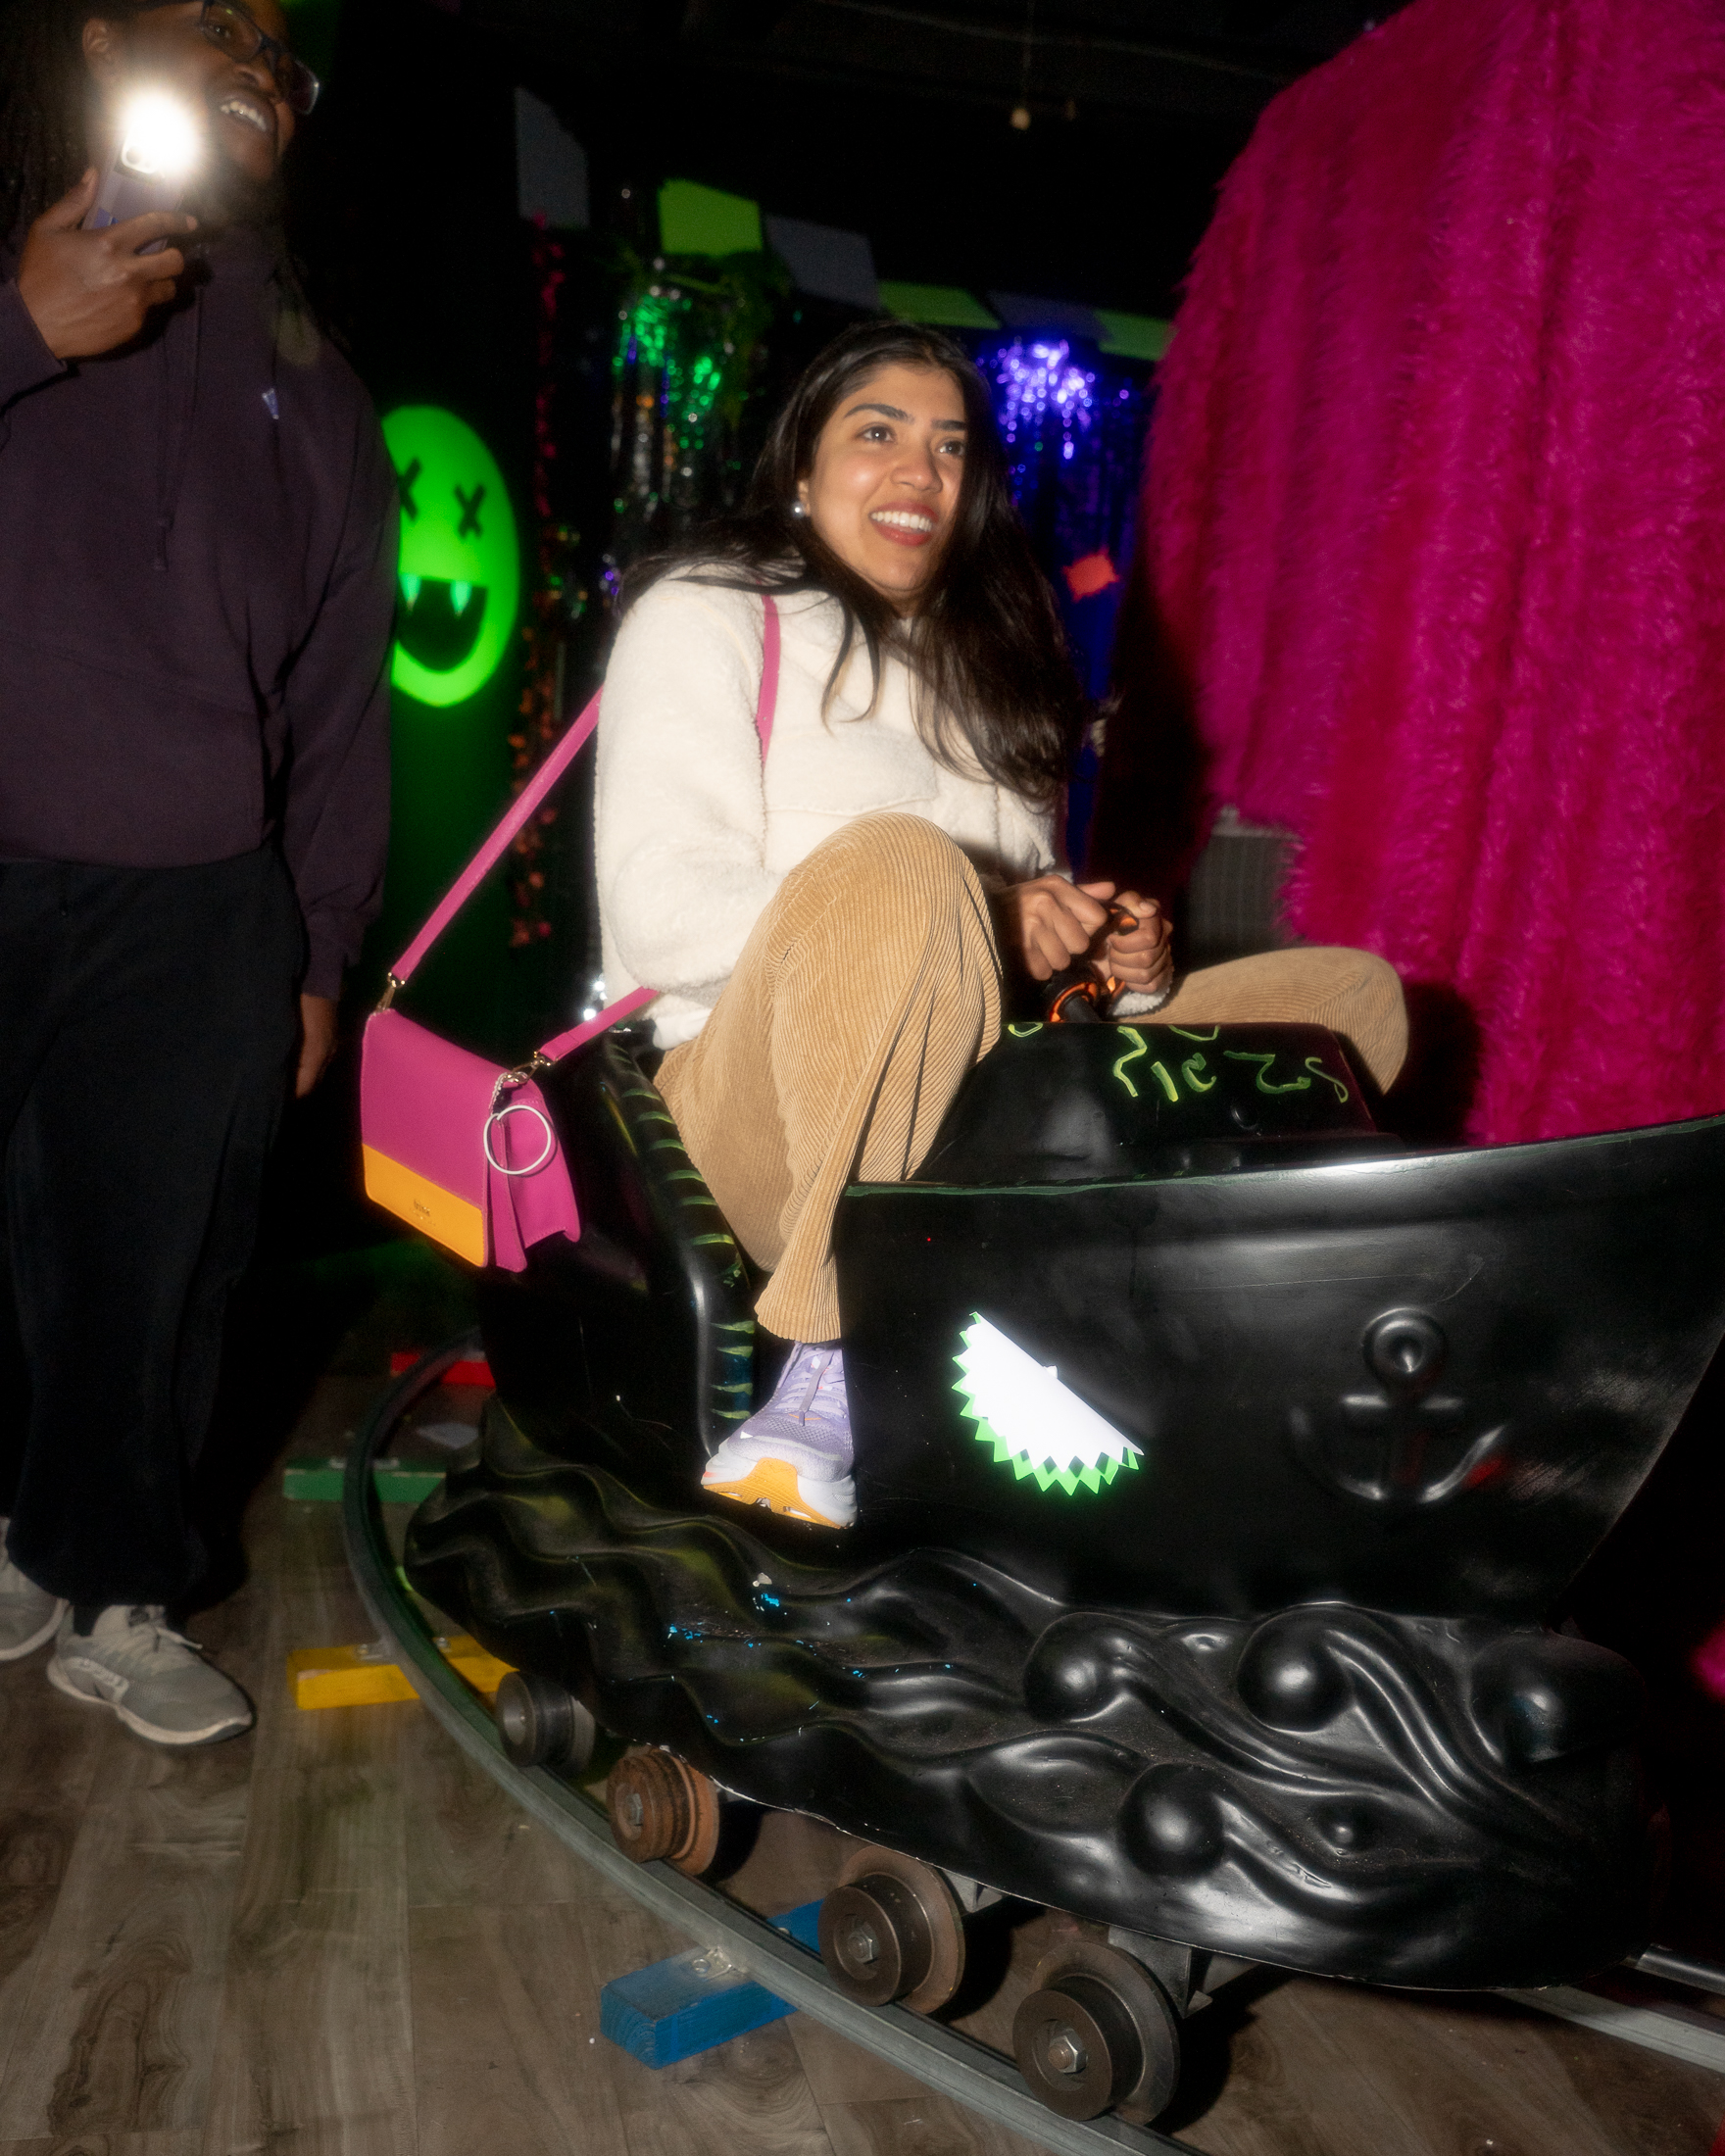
(694, 836)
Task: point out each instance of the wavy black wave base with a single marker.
(1399, 1799)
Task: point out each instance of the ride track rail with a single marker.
(984, 2080)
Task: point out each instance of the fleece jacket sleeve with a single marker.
(335, 814)
(25, 359)
(681, 816)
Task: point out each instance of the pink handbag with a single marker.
(460, 1148)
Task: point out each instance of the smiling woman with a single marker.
(835, 740)
(884, 485)
(820, 926)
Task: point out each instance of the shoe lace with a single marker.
(819, 1386)
(149, 1642)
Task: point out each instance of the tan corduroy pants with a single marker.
(867, 990)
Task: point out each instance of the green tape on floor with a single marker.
(318, 1482)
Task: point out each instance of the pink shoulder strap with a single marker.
(574, 739)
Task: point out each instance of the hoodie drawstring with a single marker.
(180, 396)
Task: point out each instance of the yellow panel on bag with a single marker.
(450, 1220)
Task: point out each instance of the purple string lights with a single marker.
(1037, 378)
(1075, 440)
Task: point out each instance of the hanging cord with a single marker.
(1021, 111)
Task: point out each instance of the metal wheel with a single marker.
(892, 1929)
(1098, 2034)
(542, 1724)
(659, 1807)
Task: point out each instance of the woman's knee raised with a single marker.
(1372, 1011)
(904, 859)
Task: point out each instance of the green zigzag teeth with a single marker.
(1047, 1478)
(1022, 1464)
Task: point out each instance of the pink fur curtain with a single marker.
(1433, 566)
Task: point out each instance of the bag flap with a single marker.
(423, 1103)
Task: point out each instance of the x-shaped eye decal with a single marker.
(470, 512)
(406, 481)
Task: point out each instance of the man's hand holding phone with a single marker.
(91, 292)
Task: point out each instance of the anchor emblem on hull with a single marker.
(1407, 1444)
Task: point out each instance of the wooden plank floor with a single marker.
(336, 1938)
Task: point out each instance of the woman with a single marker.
(827, 926)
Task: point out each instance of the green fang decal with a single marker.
(1074, 1448)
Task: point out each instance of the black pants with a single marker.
(147, 1018)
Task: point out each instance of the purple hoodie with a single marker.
(197, 583)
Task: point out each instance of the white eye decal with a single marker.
(1037, 1425)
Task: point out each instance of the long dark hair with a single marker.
(992, 678)
(45, 101)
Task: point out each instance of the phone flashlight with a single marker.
(158, 149)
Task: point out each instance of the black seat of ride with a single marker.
(1097, 1103)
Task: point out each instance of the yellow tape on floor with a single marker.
(362, 1677)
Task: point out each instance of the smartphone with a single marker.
(149, 169)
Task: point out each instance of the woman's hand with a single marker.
(1142, 958)
(1048, 922)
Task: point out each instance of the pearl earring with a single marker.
(797, 510)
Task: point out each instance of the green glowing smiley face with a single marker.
(460, 568)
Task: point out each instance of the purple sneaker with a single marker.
(795, 1456)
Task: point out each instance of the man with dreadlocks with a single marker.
(196, 585)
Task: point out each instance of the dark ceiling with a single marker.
(894, 118)
(1216, 58)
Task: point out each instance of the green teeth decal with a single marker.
(1036, 1425)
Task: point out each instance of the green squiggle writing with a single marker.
(1023, 1033)
(1168, 1086)
(1246, 1055)
(1186, 1033)
(1141, 1048)
(1189, 1070)
(1328, 1076)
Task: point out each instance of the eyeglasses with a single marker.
(232, 31)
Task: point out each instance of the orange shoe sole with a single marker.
(772, 1484)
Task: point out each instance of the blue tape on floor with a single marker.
(676, 2008)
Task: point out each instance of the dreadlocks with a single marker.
(44, 100)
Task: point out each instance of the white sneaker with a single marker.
(795, 1456)
(156, 1681)
(29, 1614)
